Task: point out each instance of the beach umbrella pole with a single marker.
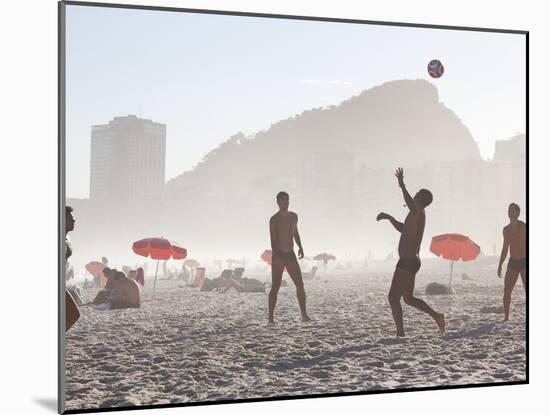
(155, 284)
(451, 277)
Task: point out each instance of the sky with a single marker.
(208, 77)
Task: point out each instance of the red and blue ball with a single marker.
(435, 68)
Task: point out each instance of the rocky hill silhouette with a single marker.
(324, 157)
(399, 122)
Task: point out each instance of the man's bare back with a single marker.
(515, 234)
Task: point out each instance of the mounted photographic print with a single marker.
(258, 207)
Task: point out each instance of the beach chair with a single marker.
(237, 273)
(198, 279)
(76, 293)
(311, 274)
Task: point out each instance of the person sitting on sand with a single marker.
(283, 230)
(412, 231)
(120, 291)
(514, 240)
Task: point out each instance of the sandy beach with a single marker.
(189, 346)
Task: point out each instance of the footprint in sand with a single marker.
(320, 374)
(391, 341)
(374, 363)
(399, 366)
(249, 346)
(475, 356)
(431, 362)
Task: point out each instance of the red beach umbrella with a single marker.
(454, 247)
(158, 248)
(178, 252)
(267, 256)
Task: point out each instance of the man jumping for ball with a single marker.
(283, 229)
(412, 231)
(514, 239)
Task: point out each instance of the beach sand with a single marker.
(189, 346)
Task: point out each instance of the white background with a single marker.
(28, 162)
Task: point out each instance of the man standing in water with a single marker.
(412, 231)
(514, 235)
(283, 229)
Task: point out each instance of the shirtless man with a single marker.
(283, 229)
(408, 265)
(71, 309)
(514, 238)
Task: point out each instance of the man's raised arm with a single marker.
(406, 195)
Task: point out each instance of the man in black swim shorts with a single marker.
(283, 230)
(514, 240)
(412, 231)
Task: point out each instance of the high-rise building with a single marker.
(513, 148)
(127, 161)
(510, 163)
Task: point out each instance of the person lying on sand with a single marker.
(283, 230)
(412, 231)
(217, 284)
(514, 240)
(245, 285)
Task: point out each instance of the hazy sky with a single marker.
(207, 77)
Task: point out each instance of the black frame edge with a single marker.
(290, 17)
(61, 205)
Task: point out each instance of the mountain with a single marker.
(324, 158)
(397, 123)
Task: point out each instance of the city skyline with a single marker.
(130, 116)
(248, 73)
(332, 197)
(128, 157)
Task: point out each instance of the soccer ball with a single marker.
(435, 68)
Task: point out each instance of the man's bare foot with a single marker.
(305, 318)
(271, 322)
(440, 320)
(506, 319)
(400, 334)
